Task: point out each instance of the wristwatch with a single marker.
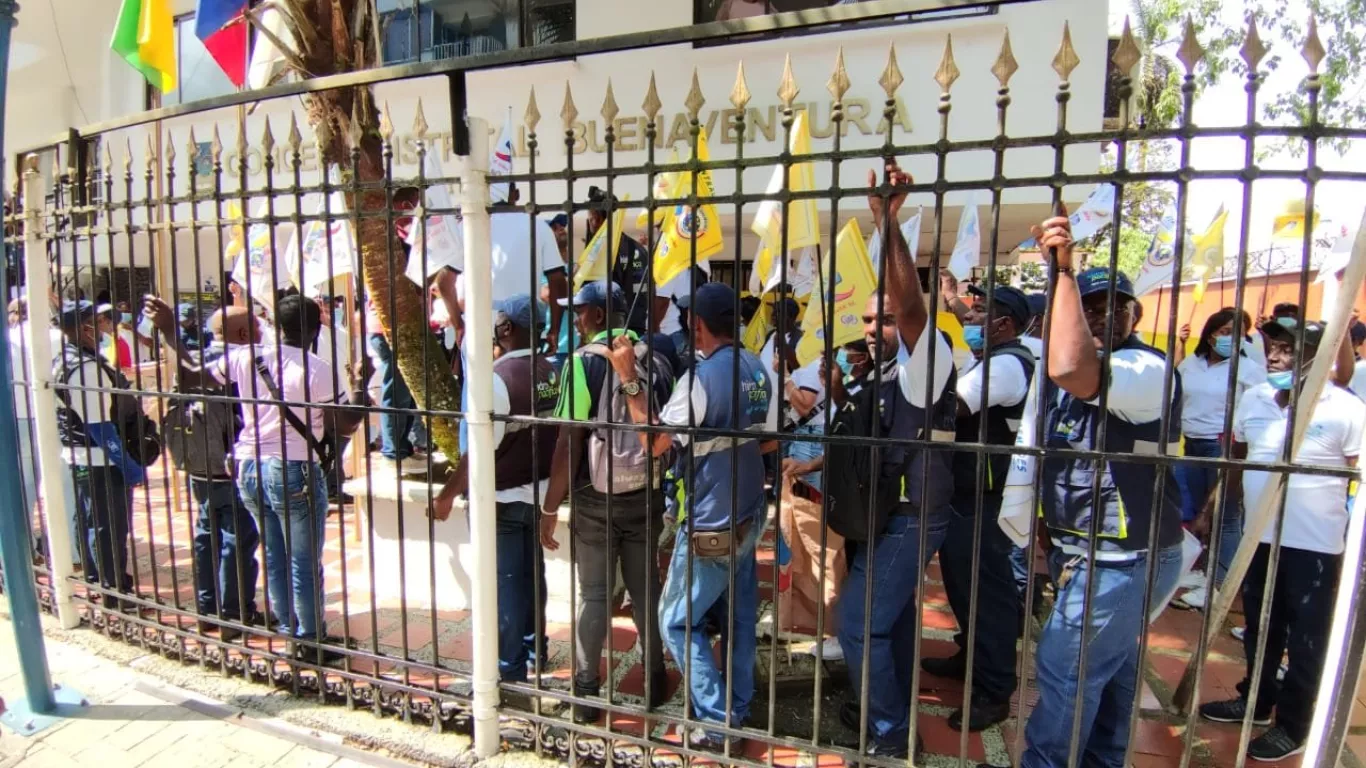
(630, 388)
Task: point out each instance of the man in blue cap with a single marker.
(523, 385)
(1092, 349)
(724, 502)
(102, 471)
(616, 466)
(996, 397)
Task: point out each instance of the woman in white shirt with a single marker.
(1205, 377)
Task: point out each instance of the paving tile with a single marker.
(303, 757)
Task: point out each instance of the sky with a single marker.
(1225, 104)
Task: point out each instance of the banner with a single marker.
(803, 220)
(967, 249)
(854, 283)
(442, 243)
(319, 265)
(1157, 265)
(683, 226)
(1208, 256)
(500, 162)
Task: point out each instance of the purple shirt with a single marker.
(261, 424)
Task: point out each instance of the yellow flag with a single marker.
(803, 221)
(684, 226)
(756, 333)
(855, 281)
(592, 263)
(1208, 258)
(666, 188)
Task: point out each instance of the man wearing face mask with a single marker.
(1092, 349)
(1312, 538)
(996, 397)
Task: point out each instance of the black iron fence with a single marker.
(354, 500)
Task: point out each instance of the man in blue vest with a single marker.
(723, 481)
(996, 397)
(916, 403)
(1094, 358)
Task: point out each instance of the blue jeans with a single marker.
(709, 587)
(394, 442)
(290, 497)
(521, 621)
(105, 502)
(216, 584)
(1115, 625)
(894, 573)
(1196, 484)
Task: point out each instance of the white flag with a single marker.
(1157, 265)
(320, 264)
(967, 249)
(257, 265)
(1094, 215)
(910, 230)
(500, 161)
(266, 58)
(442, 243)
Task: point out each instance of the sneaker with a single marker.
(985, 713)
(1275, 744)
(1194, 579)
(701, 739)
(828, 649)
(1238, 633)
(1231, 711)
(953, 667)
(1192, 600)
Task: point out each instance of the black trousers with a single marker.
(999, 610)
(1301, 615)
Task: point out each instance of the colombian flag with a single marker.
(222, 27)
(145, 37)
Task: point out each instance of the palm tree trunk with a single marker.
(352, 113)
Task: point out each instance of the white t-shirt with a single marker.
(1007, 385)
(1204, 389)
(1033, 345)
(1135, 392)
(669, 324)
(91, 406)
(19, 342)
(1359, 379)
(1315, 505)
(502, 406)
(510, 234)
(913, 368)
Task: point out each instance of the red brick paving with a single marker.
(1158, 742)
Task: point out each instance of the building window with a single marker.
(427, 30)
(729, 10)
(198, 75)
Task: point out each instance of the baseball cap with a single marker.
(520, 310)
(712, 302)
(104, 309)
(595, 294)
(1287, 328)
(1012, 303)
(1097, 280)
(560, 220)
(1038, 303)
(75, 313)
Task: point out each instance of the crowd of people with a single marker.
(718, 434)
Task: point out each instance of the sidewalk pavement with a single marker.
(137, 720)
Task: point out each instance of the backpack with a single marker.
(141, 441)
(850, 468)
(617, 461)
(200, 434)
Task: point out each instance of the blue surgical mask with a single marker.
(126, 317)
(1282, 380)
(1223, 345)
(842, 360)
(974, 337)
